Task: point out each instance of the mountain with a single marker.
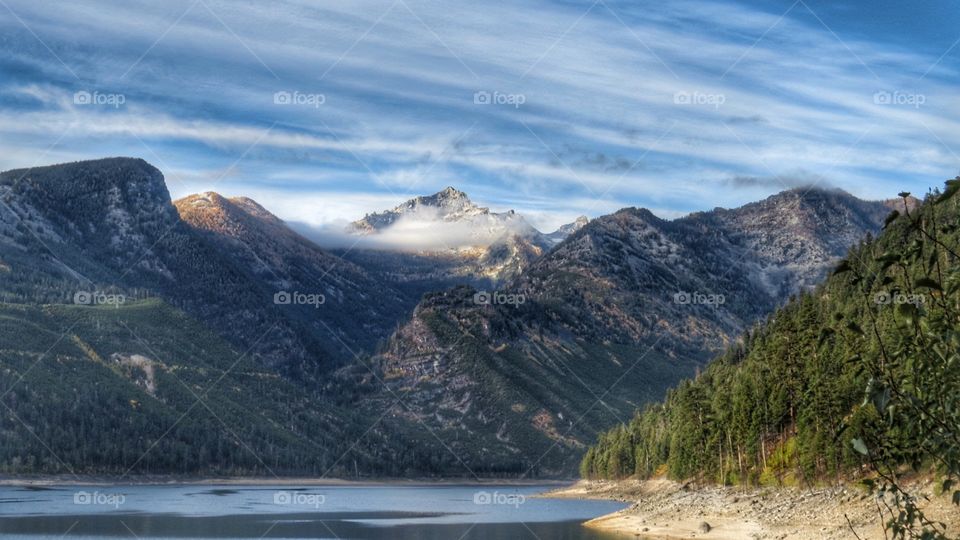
(513, 380)
(564, 231)
(132, 326)
(354, 311)
(855, 379)
(801, 230)
(443, 239)
(83, 221)
(607, 320)
(109, 225)
(448, 205)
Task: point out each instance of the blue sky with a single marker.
(555, 109)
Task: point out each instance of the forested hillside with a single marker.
(142, 388)
(859, 378)
(607, 323)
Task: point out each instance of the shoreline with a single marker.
(668, 510)
(174, 480)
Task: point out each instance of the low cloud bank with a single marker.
(421, 230)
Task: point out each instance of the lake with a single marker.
(263, 511)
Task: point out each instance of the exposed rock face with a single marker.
(444, 239)
(609, 318)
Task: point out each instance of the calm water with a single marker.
(367, 512)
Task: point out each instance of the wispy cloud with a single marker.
(541, 105)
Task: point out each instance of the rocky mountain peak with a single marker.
(252, 207)
(449, 204)
(451, 193)
(449, 230)
(626, 289)
(573, 226)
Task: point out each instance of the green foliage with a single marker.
(862, 373)
(913, 365)
(144, 389)
(778, 385)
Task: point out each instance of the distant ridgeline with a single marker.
(864, 370)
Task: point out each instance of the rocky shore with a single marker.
(663, 509)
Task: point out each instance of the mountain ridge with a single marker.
(514, 371)
(110, 225)
(624, 304)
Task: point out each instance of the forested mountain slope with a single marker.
(863, 370)
(142, 388)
